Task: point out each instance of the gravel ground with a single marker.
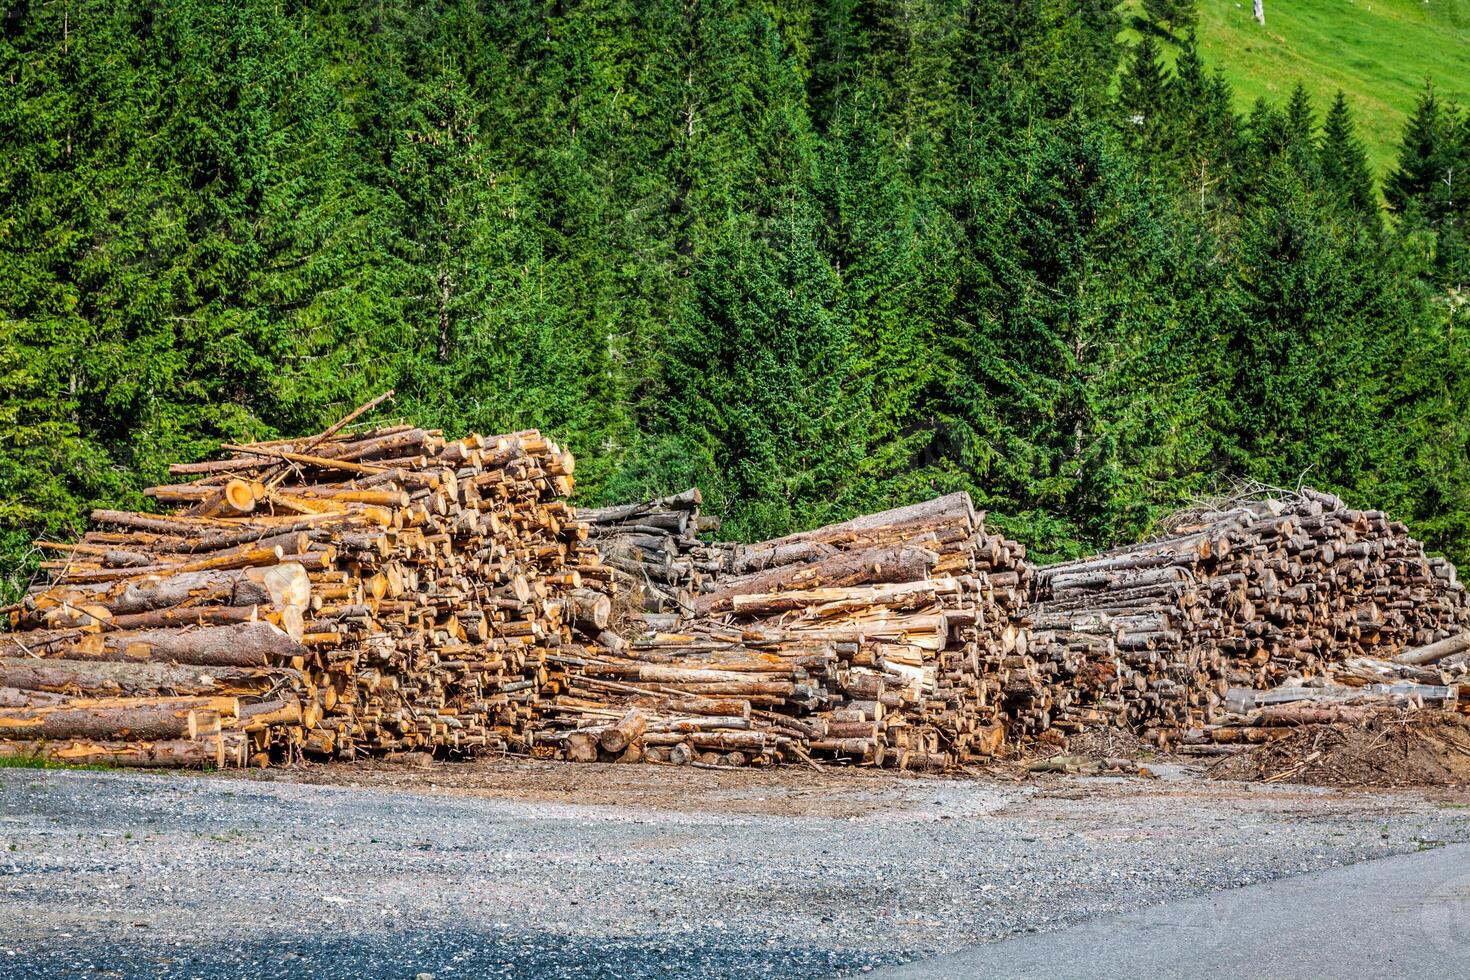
(560, 871)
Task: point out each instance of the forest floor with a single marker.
(502, 868)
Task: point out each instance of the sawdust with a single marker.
(1392, 749)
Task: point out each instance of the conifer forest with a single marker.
(817, 259)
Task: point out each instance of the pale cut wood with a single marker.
(256, 644)
(1433, 652)
(898, 564)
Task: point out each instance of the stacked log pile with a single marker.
(344, 594)
(655, 549)
(1350, 692)
(389, 589)
(1251, 596)
(893, 639)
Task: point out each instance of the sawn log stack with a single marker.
(893, 639)
(1290, 598)
(378, 591)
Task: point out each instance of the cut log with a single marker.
(76, 676)
(1433, 652)
(626, 731)
(244, 645)
(866, 567)
(177, 753)
(109, 723)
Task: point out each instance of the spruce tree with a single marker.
(1174, 16)
(1199, 145)
(816, 258)
(1299, 130)
(1144, 96)
(1190, 79)
(1343, 162)
(1416, 181)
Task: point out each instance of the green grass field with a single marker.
(1379, 53)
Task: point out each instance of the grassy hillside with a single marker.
(1377, 51)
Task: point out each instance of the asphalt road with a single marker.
(1394, 917)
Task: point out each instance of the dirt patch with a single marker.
(1389, 750)
(788, 791)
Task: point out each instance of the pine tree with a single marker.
(1299, 130)
(757, 394)
(1174, 16)
(1343, 162)
(1417, 181)
(1144, 96)
(1199, 147)
(1339, 363)
(1190, 81)
(1070, 266)
(1452, 251)
(817, 258)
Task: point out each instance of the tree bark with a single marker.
(208, 751)
(69, 676)
(255, 644)
(877, 565)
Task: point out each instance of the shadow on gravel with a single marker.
(444, 955)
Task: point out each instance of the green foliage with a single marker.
(1427, 154)
(1143, 95)
(817, 258)
(1343, 162)
(1175, 16)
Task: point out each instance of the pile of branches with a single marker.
(1372, 744)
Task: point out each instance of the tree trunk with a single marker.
(208, 751)
(117, 723)
(244, 645)
(69, 676)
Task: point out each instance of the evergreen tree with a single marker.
(1338, 363)
(1299, 125)
(1417, 181)
(1144, 96)
(1174, 16)
(757, 396)
(1201, 142)
(1061, 280)
(1343, 162)
(818, 258)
